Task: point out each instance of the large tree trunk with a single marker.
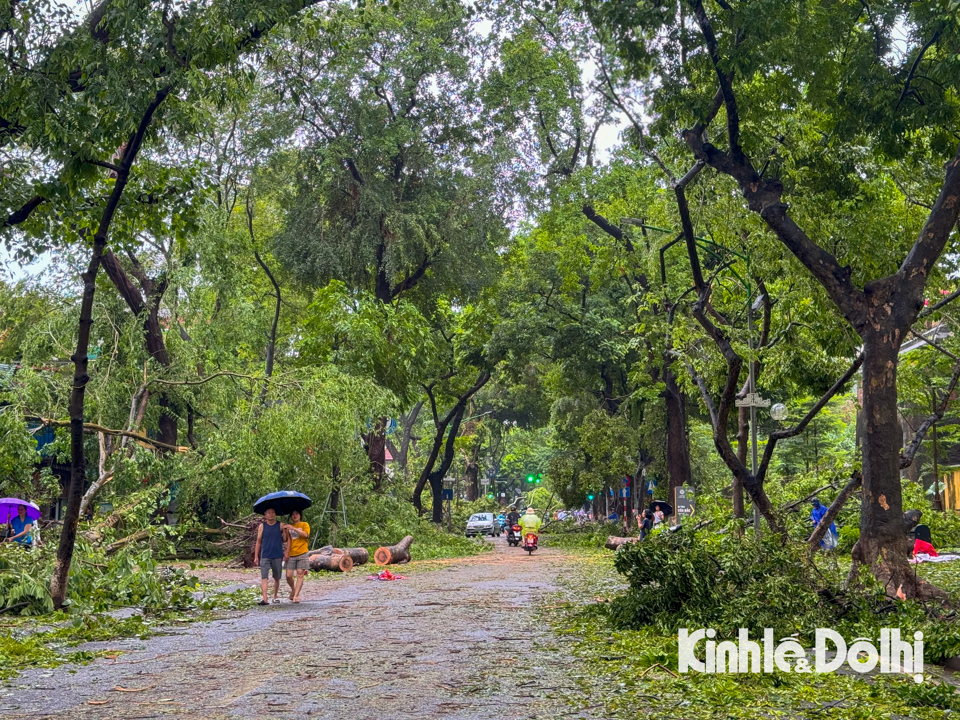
(472, 474)
(678, 445)
(883, 542)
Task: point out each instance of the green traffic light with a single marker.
(489, 497)
(529, 478)
(589, 497)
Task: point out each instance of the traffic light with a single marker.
(489, 497)
(590, 497)
(539, 477)
(529, 478)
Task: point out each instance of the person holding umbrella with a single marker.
(272, 550)
(273, 540)
(20, 517)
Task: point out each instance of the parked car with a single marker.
(483, 524)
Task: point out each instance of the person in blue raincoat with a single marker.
(816, 515)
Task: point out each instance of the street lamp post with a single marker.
(753, 401)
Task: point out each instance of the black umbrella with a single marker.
(284, 502)
(665, 507)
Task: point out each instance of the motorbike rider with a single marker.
(530, 523)
(513, 517)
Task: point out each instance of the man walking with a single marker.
(272, 550)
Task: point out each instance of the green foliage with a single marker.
(129, 577)
(384, 520)
(679, 580)
(849, 534)
(568, 534)
(19, 476)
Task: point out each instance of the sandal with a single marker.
(263, 603)
(276, 601)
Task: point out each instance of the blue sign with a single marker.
(447, 494)
(625, 493)
(625, 481)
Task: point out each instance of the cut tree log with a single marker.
(614, 542)
(336, 562)
(393, 554)
(359, 555)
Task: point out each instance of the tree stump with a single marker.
(614, 542)
(393, 554)
(335, 562)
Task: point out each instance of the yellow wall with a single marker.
(951, 488)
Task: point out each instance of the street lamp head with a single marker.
(758, 303)
(778, 412)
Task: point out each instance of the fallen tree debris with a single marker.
(394, 554)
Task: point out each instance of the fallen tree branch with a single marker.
(93, 427)
(852, 485)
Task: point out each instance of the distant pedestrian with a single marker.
(646, 524)
(298, 563)
(272, 549)
(829, 541)
(657, 515)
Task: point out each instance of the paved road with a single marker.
(458, 641)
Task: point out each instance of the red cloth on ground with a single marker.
(922, 546)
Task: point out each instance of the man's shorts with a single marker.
(268, 564)
(298, 562)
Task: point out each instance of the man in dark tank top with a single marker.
(270, 553)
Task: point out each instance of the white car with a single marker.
(483, 524)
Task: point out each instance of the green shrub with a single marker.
(567, 533)
(676, 580)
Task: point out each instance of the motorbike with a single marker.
(513, 535)
(530, 542)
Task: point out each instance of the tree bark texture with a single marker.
(377, 452)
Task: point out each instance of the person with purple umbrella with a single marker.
(21, 527)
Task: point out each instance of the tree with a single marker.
(776, 73)
(60, 137)
(396, 189)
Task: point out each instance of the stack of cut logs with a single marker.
(337, 559)
(343, 559)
